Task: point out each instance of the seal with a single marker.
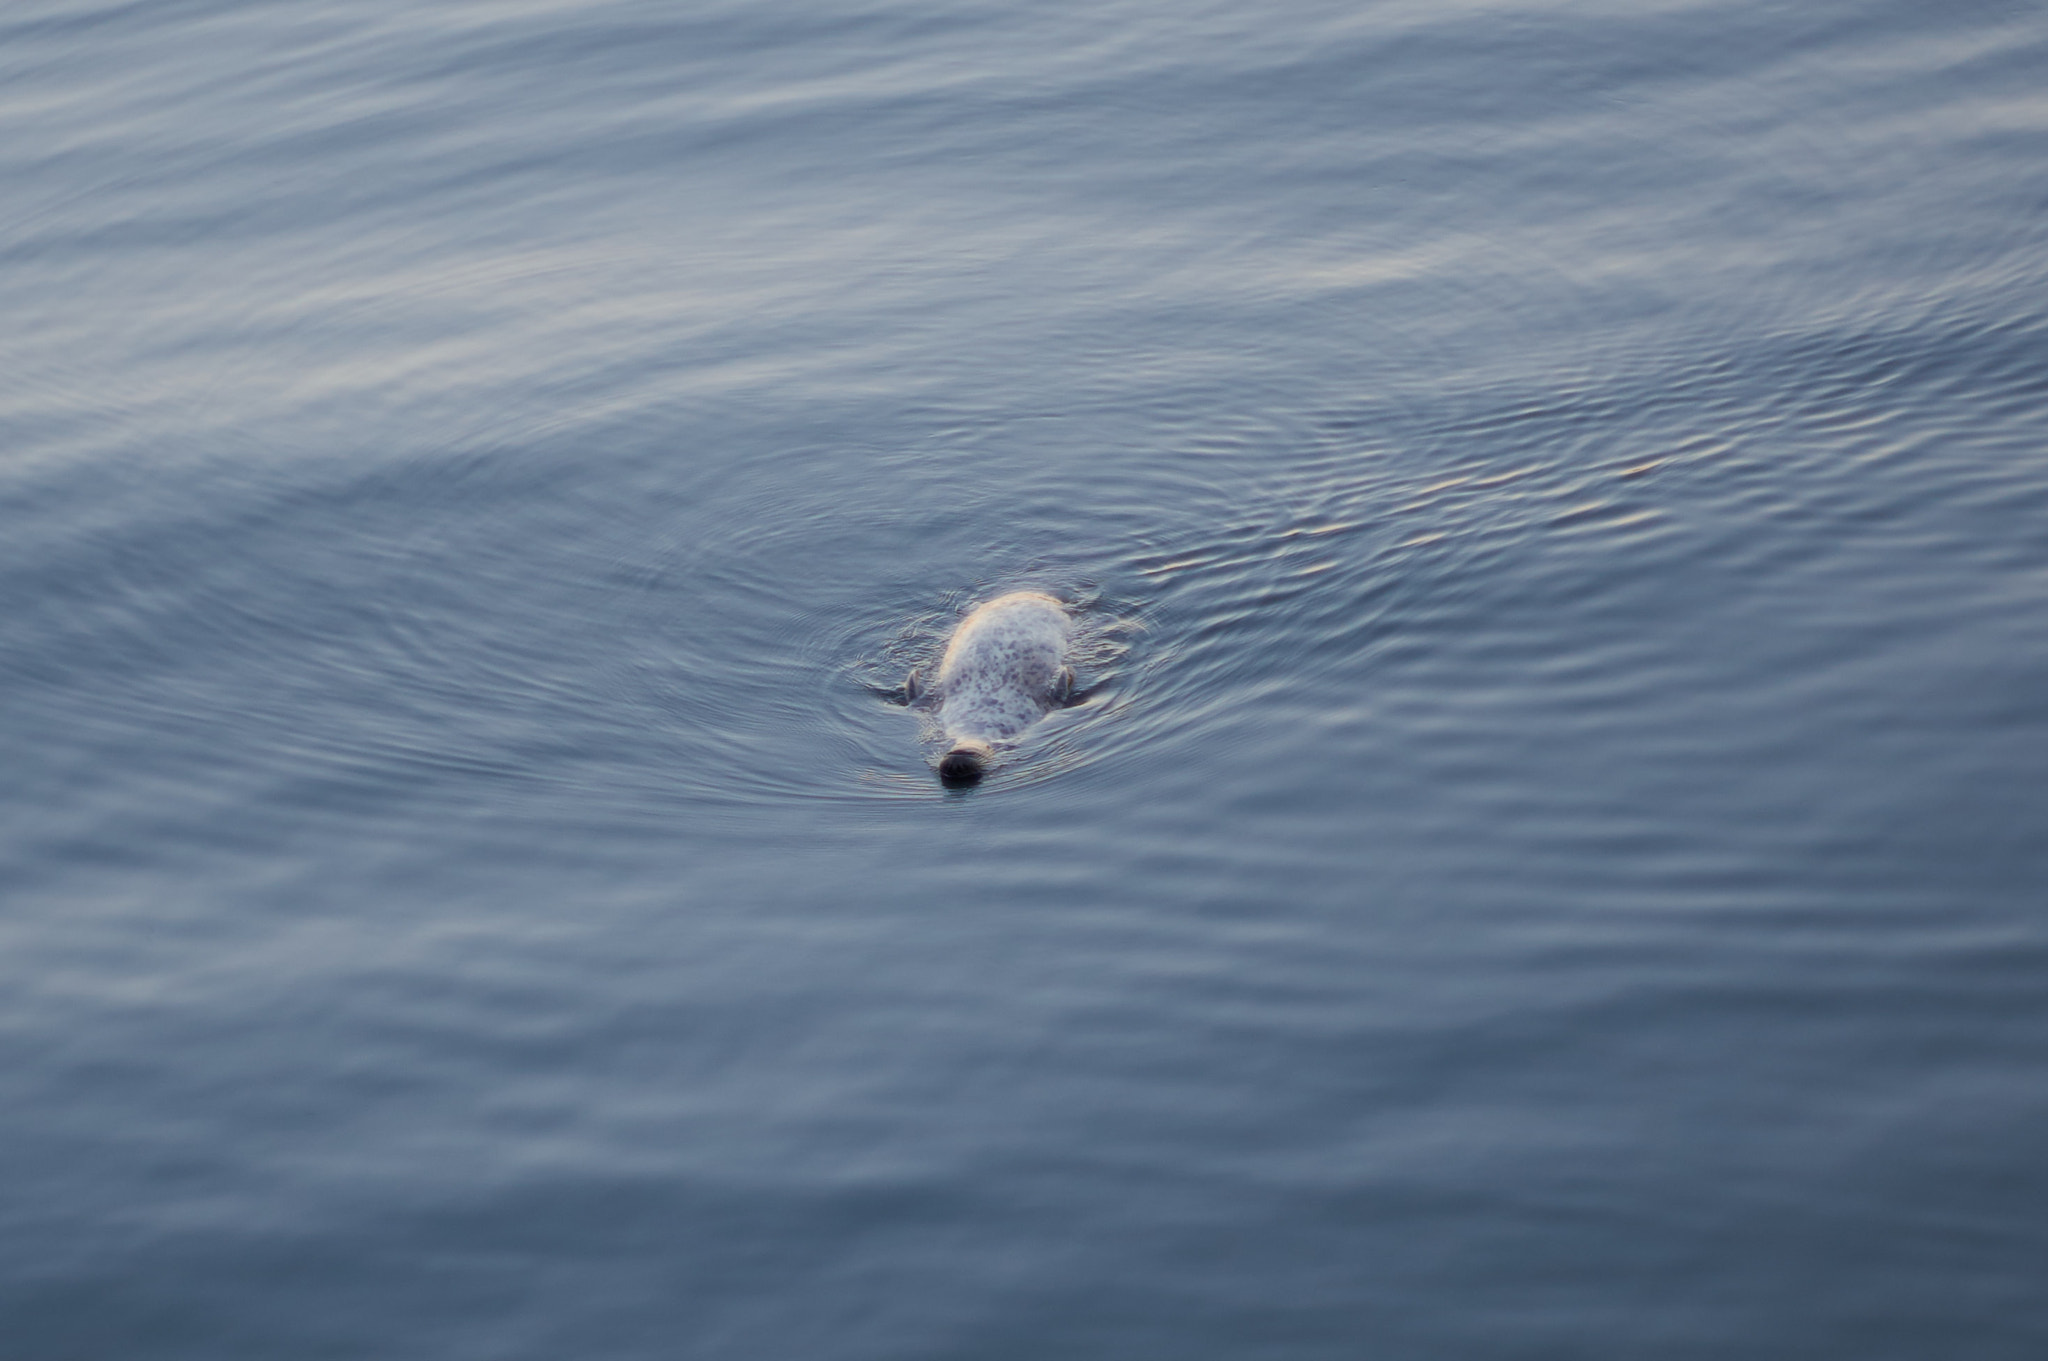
(1003, 669)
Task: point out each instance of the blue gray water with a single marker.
(1551, 865)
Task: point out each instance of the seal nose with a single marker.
(962, 765)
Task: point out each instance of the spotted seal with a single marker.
(1004, 668)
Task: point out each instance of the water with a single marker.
(1551, 864)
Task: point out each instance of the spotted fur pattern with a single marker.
(1004, 668)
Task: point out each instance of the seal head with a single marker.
(1004, 668)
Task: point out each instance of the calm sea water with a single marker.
(1552, 865)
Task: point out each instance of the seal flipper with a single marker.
(907, 692)
(1068, 693)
